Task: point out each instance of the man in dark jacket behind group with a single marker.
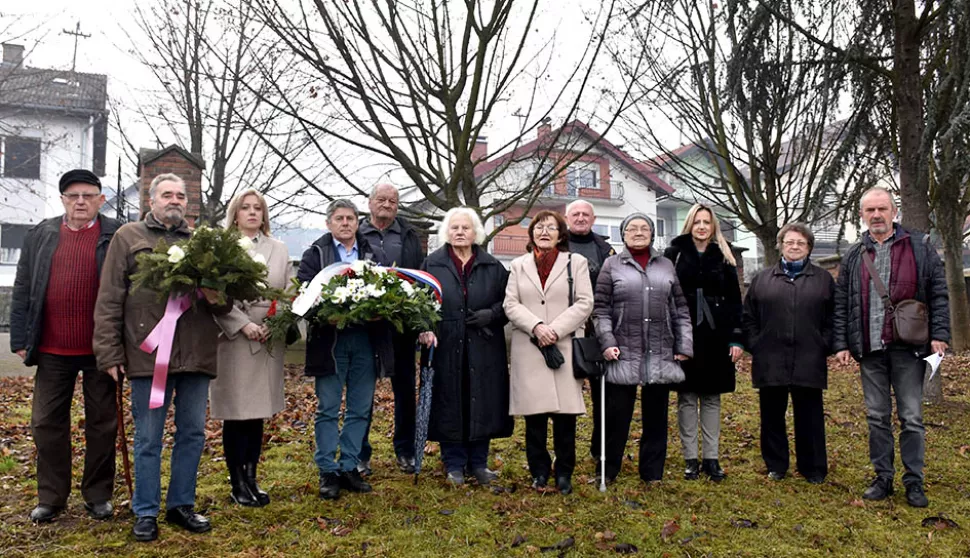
(863, 329)
(351, 358)
(582, 240)
(399, 241)
(51, 326)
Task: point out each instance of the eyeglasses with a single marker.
(633, 230)
(793, 243)
(547, 228)
(74, 196)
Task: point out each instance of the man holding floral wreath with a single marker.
(123, 320)
(352, 357)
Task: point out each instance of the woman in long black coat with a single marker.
(470, 399)
(708, 276)
(788, 312)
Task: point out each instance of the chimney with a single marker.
(545, 127)
(175, 160)
(13, 54)
(480, 149)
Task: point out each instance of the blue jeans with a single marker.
(356, 371)
(458, 456)
(191, 395)
(902, 370)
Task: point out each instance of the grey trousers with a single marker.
(900, 372)
(710, 419)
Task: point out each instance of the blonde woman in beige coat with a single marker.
(537, 305)
(249, 387)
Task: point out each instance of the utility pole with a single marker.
(120, 198)
(77, 35)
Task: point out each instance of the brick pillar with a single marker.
(175, 160)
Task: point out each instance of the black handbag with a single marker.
(588, 361)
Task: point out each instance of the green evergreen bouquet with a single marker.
(217, 259)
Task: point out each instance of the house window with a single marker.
(602, 230)
(499, 220)
(727, 229)
(661, 227)
(11, 241)
(525, 222)
(578, 178)
(544, 176)
(616, 235)
(21, 157)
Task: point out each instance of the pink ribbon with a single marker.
(161, 338)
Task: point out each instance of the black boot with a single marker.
(692, 470)
(240, 490)
(262, 498)
(713, 470)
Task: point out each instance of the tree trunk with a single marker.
(769, 240)
(908, 95)
(950, 229)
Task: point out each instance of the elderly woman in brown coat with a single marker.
(249, 387)
(537, 305)
(643, 325)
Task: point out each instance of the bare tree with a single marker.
(217, 78)
(762, 104)
(418, 83)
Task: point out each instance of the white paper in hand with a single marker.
(934, 359)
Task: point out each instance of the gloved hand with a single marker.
(551, 354)
(478, 318)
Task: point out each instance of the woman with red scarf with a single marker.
(537, 302)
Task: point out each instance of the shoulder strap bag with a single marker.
(588, 361)
(911, 323)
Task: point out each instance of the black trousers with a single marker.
(809, 417)
(563, 441)
(405, 399)
(620, 401)
(50, 422)
(242, 441)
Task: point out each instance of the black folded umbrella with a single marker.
(551, 353)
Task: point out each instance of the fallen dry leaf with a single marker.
(669, 529)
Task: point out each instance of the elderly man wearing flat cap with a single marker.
(52, 327)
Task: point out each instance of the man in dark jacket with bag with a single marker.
(353, 357)
(386, 230)
(909, 268)
(51, 326)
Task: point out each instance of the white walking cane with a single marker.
(603, 433)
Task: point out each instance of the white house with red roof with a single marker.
(581, 165)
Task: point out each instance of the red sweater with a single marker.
(71, 293)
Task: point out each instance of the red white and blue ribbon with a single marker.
(161, 337)
(311, 293)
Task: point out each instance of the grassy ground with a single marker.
(747, 515)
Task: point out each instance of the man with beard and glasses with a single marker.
(123, 319)
(910, 268)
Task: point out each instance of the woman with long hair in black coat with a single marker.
(708, 275)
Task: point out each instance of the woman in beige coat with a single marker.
(249, 386)
(537, 305)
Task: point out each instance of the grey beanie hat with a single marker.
(638, 215)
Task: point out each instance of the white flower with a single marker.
(259, 258)
(359, 266)
(373, 291)
(260, 284)
(340, 295)
(245, 243)
(175, 254)
(407, 288)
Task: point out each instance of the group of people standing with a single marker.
(664, 322)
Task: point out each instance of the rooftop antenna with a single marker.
(77, 35)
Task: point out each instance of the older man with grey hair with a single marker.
(390, 232)
(351, 358)
(905, 264)
(580, 218)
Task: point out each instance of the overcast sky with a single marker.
(41, 24)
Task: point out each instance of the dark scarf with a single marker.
(641, 256)
(544, 263)
(792, 269)
(464, 269)
(582, 238)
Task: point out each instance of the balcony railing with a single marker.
(573, 192)
(509, 245)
